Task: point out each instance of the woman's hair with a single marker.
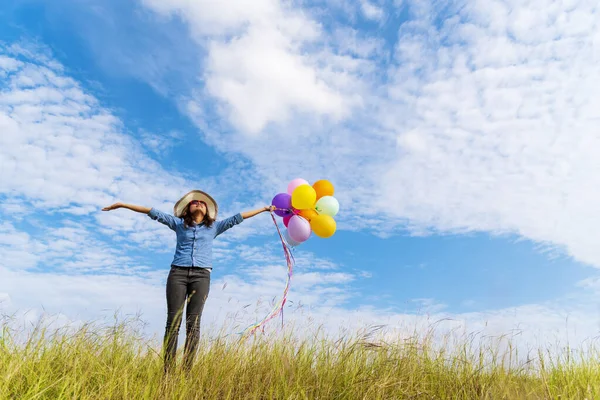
(188, 219)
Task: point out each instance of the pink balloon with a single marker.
(299, 228)
(294, 184)
(286, 220)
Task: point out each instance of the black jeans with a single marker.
(191, 285)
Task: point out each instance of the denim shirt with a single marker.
(194, 243)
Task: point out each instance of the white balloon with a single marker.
(327, 205)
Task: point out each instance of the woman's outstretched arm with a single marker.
(132, 207)
(153, 213)
(250, 214)
(228, 223)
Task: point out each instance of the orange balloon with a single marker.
(323, 188)
(308, 213)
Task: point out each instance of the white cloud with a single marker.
(235, 303)
(262, 81)
(63, 154)
(316, 300)
(160, 143)
(8, 64)
(260, 63)
(499, 134)
(371, 11)
(428, 305)
(15, 248)
(67, 271)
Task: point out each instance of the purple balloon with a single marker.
(299, 228)
(284, 201)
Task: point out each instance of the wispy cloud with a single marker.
(160, 143)
(496, 124)
(63, 154)
(372, 11)
(458, 129)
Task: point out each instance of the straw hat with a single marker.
(211, 204)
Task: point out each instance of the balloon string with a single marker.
(294, 211)
(289, 210)
(278, 308)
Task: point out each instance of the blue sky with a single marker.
(462, 144)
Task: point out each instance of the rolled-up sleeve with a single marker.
(222, 226)
(163, 218)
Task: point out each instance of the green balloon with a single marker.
(327, 205)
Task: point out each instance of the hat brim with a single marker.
(211, 204)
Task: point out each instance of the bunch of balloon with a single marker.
(307, 209)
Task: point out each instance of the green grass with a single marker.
(96, 362)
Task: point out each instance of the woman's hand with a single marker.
(132, 207)
(113, 207)
(270, 208)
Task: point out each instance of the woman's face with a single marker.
(197, 207)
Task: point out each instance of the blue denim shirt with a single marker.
(194, 243)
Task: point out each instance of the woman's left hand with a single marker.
(270, 208)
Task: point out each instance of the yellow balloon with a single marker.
(323, 225)
(308, 213)
(304, 196)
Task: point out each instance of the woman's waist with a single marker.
(194, 267)
(195, 258)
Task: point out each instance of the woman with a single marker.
(194, 222)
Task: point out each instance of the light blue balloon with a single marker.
(291, 242)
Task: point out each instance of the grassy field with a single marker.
(116, 362)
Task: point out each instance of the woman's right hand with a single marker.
(113, 207)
